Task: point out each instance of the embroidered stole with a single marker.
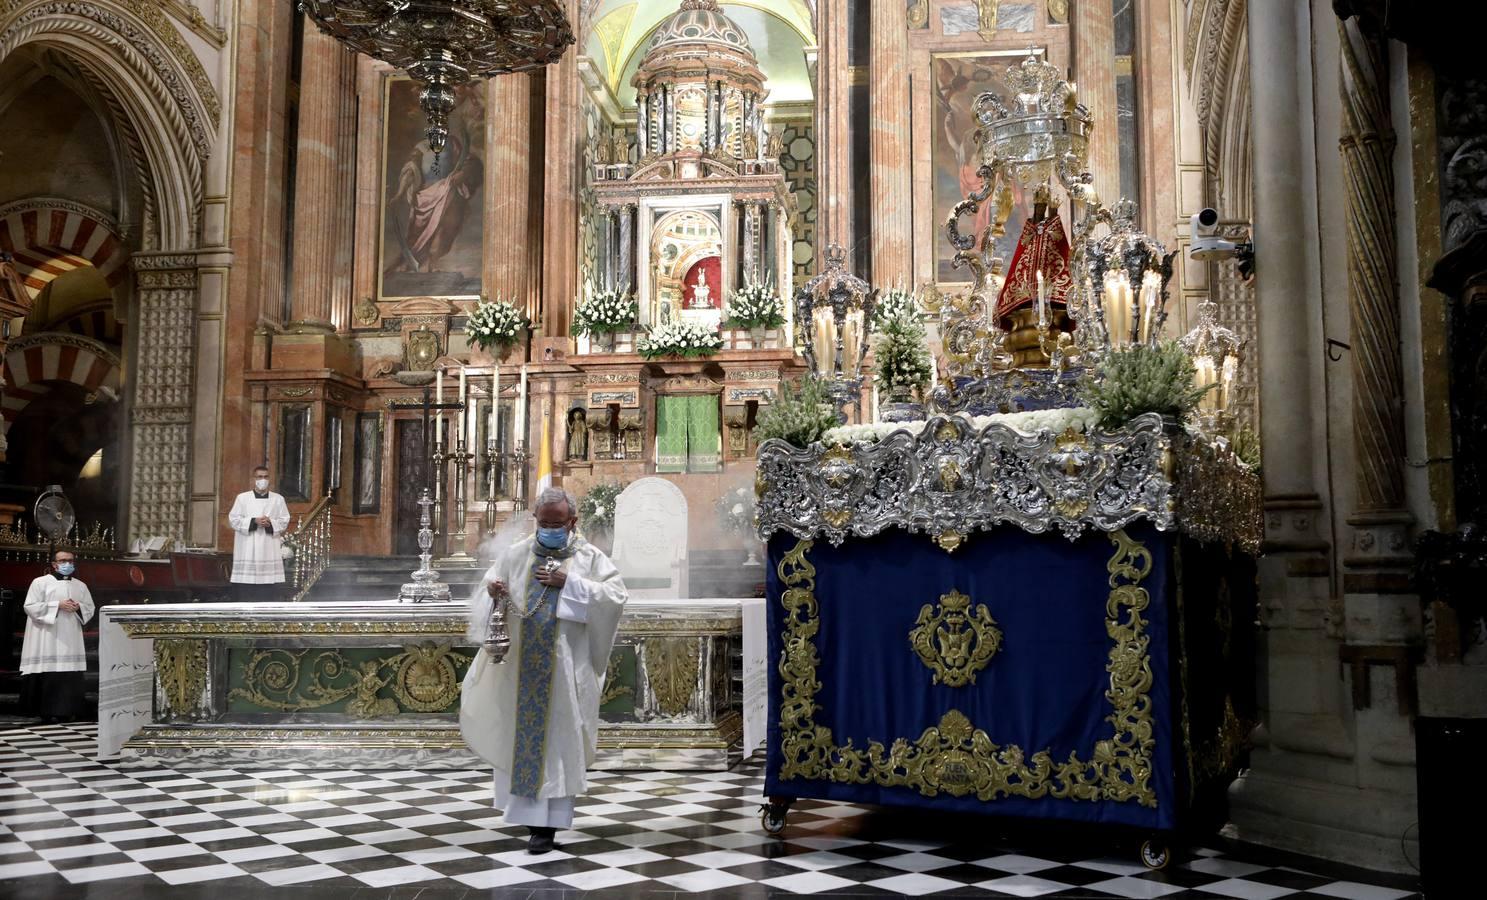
(539, 640)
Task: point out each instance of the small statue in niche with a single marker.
(750, 145)
(578, 434)
(621, 149)
(776, 144)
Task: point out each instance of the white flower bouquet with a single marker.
(596, 509)
(896, 304)
(605, 313)
(755, 305)
(1040, 421)
(685, 338)
(495, 323)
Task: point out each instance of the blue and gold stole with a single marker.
(539, 639)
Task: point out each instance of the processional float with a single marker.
(972, 614)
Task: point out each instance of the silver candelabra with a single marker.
(455, 539)
(425, 584)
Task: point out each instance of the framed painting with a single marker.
(956, 79)
(294, 451)
(432, 230)
(367, 472)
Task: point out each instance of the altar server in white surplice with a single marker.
(259, 517)
(52, 655)
(534, 716)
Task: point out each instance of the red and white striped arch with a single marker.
(49, 236)
(34, 362)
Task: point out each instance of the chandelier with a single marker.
(444, 43)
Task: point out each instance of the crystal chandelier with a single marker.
(444, 43)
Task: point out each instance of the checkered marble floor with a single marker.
(71, 822)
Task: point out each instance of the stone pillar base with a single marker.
(1366, 827)
(313, 349)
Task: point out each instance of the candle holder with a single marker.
(438, 459)
(518, 479)
(457, 534)
(493, 462)
(835, 310)
(1129, 273)
(425, 584)
(1217, 353)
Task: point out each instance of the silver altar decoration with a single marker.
(444, 43)
(951, 480)
(454, 541)
(834, 311)
(425, 584)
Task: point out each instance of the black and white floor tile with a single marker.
(71, 826)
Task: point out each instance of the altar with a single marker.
(377, 685)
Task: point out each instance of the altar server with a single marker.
(52, 655)
(534, 716)
(259, 517)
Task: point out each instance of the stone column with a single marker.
(751, 223)
(562, 153)
(1093, 47)
(323, 210)
(508, 176)
(833, 130)
(889, 173)
(160, 416)
(1382, 611)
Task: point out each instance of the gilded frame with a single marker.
(954, 757)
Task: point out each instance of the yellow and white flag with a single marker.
(544, 454)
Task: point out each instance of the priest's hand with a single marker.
(68, 606)
(552, 578)
(497, 589)
(264, 521)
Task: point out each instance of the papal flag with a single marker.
(544, 454)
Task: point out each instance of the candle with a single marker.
(1042, 303)
(1149, 284)
(473, 426)
(1117, 309)
(851, 342)
(521, 408)
(1203, 376)
(438, 385)
(462, 384)
(1231, 366)
(825, 340)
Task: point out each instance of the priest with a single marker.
(53, 658)
(259, 518)
(534, 715)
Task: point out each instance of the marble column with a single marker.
(888, 144)
(627, 248)
(323, 210)
(562, 153)
(1093, 42)
(833, 131)
(751, 232)
(508, 176)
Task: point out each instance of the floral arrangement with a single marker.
(680, 338)
(495, 323)
(1142, 379)
(755, 305)
(798, 416)
(1055, 421)
(894, 304)
(605, 312)
(1246, 446)
(901, 351)
(736, 511)
(596, 509)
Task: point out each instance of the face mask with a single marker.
(66, 568)
(552, 538)
(261, 484)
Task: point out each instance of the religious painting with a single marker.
(432, 227)
(701, 288)
(367, 475)
(294, 451)
(957, 79)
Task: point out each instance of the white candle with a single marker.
(1042, 304)
(1231, 366)
(438, 385)
(469, 416)
(1203, 376)
(521, 408)
(462, 384)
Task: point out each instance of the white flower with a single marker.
(737, 509)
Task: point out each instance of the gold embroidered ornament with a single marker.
(954, 639)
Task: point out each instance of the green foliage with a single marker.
(1141, 379)
(901, 351)
(798, 416)
(1246, 446)
(596, 509)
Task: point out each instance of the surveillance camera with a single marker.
(1207, 245)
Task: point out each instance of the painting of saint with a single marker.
(955, 155)
(703, 286)
(432, 227)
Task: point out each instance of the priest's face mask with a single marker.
(64, 563)
(260, 480)
(555, 523)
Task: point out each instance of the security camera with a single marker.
(1207, 245)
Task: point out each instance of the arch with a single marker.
(49, 236)
(157, 88)
(31, 362)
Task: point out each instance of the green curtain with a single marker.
(671, 434)
(704, 439)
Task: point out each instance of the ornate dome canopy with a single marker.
(699, 21)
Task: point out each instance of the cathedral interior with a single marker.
(1127, 354)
